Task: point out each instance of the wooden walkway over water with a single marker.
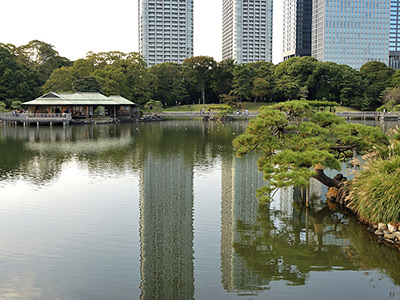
(242, 115)
(369, 115)
(29, 118)
(197, 114)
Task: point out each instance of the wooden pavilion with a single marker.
(82, 105)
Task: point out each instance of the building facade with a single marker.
(351, 32)
(165, 30)
(297, 21)
(394, 43)
(247, 30)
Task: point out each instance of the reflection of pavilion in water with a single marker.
(240, 180)
(166, 228)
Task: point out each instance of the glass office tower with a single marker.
(165, 30)
(297, 18)
(351, 32)
(247, 30)
(394, 43)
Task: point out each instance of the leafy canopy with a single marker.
(292, 140)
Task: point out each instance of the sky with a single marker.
(75, 27)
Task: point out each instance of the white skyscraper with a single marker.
(247, 30)
(165, 30)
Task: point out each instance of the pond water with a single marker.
(165, 211)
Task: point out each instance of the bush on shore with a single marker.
(375, 191)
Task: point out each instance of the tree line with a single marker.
(30, 70)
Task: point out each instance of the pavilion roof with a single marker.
(78, 99)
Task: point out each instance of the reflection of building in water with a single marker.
(166, 233)
(240, 180)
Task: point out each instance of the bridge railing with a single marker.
(368, 114)
(35, 117)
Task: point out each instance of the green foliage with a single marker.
(117, 73)
(292, 140)
(379, 77)
(169, 85)
(222, 80)
(99, 111)
(199, 71)
(3, 106)
(225, 112)
(87, 84)
(17, 81)
(391, 98)
(375, 195)
(154, 106)
(16, 105)
(39, 56)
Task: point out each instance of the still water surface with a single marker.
(166, 211)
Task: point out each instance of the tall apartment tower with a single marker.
(351, 32)
(297, 19)
(165, 30)
(394, 42)
(247, 30)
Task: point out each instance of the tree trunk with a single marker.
(321, 177)
(203, 93)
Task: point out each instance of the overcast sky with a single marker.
(75, 27)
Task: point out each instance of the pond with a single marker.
(166, 211)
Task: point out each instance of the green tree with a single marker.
(391, 97)
(379, 77)
(199, 71)
(119, 73)
(17, 81)
(223, 77)
(261, 88)
(87, 84)
(243, 76)
(287, 88)
(154, 106)
(61, 80)
(3, 107)
(396, 78)
(169, 86)
(293, 151)
(40, 56)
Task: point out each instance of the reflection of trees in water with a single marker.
(39, 153)
(373, 255)
(291, 251)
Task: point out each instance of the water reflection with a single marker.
(281, 248)
(166, 227)
(258, 246)
(240, 179)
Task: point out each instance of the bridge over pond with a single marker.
(28, 118)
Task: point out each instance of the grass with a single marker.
(375, 192)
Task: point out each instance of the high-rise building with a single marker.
(351, 32)
(247, 30)
(297, 18)
(165, 30)
(394, 42)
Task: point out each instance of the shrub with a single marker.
(375, 192)
(100, 111)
